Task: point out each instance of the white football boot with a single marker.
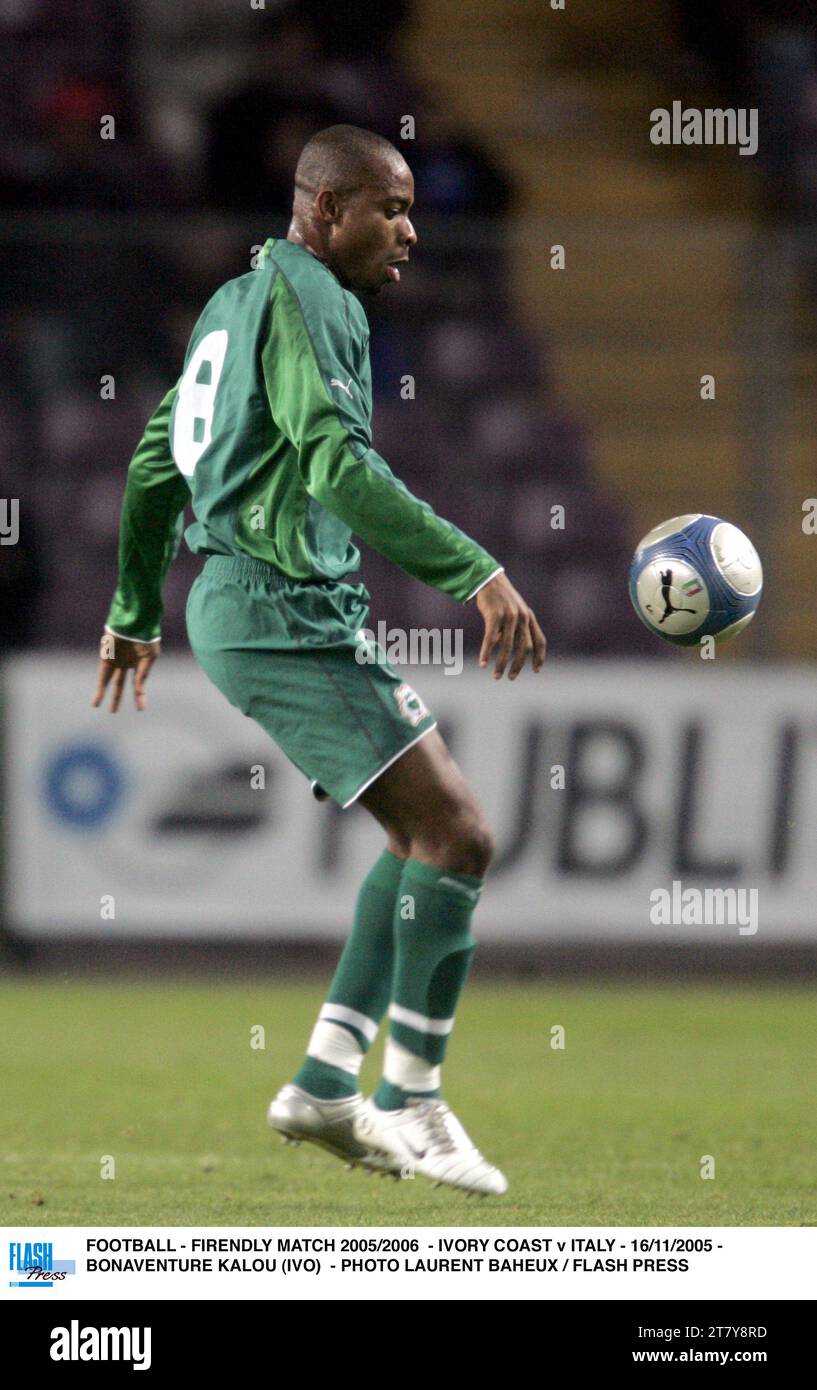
(426, 1137)
(299, 1116)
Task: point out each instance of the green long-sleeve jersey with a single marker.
(269, 429)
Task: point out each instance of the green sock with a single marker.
(433, 953)
(348, 1022)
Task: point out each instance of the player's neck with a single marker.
(303, 236)
(297, 235)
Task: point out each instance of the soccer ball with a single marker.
(695, 576)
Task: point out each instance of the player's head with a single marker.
(353, 192)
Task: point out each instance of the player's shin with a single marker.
(434, 950)
(348, 1022)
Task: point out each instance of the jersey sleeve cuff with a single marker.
(499, 570)
(125, 638)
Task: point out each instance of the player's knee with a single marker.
(463, 844)
(399, 844)
(478, 847)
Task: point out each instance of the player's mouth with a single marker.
(392, 270)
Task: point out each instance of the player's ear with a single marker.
(328, 206)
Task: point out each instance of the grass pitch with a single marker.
(611, 1130)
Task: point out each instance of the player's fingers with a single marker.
(519, 645)
(139, 679)
(118, 687)
(106, 670)
(489, 641)
(509, 629)
(523, 646)
(539, 643)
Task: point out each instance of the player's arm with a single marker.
(340, 469)
(149, 535)
(343, 472)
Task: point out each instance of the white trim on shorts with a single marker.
(397, 755)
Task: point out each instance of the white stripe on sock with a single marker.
(343, 1014)
(439, 1026)
(402, 1068)
(472, 894)
(336, 1046)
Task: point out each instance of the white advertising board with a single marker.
(606, 784)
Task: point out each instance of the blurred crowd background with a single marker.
(535, 386)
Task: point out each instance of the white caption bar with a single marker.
(430, 1262)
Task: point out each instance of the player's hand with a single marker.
(511, 623)
(117, 657)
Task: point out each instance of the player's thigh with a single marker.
(341, 721)
(426, 800)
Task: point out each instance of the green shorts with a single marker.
(285, 652)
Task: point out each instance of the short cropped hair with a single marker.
(341, 157)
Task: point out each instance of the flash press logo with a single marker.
(33, 1264)
(75, 1343)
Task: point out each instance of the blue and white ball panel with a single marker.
(695, 576)
(671, 597)
(736, 558)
